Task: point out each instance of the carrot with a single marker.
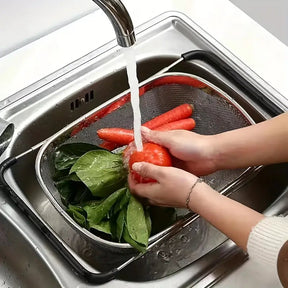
(185, 124)
(180, 112)
(123, 136)
(110, 146)
(119, 136)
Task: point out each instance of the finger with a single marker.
(131, 182)
(146, 190)
(148, 170)
(158, 137)
(142, 190)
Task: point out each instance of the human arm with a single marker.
(267, 244)
(262, 143)
(232, 218)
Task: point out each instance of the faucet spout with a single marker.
(120, 19)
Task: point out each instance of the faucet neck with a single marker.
(120, 19)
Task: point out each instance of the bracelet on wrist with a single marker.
(199, 180)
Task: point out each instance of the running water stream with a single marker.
(131, 68)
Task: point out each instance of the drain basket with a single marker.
(214, 112)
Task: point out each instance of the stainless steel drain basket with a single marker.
(215, 112)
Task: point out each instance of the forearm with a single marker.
(230, 217)
(263, 143)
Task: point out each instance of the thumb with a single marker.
(158, 137)
(147, 170)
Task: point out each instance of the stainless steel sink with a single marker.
(22, 264)
(50, 104)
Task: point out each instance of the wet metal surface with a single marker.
(89, 83)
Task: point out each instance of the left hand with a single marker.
(170, 190)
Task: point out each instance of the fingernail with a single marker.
(136, 166)
(145, 129)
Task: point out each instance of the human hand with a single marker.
(171, 189)
(192, 152)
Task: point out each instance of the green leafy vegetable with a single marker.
(120, 224)
(103, 226)
(133, 243)
(96, 211)
(92, 183)
(148, 221)
(122, 203)
(78, 214)
(72, 192)
(66, 155)
(102, 172)
(136, 222)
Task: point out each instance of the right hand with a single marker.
(192, 152)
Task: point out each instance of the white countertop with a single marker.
(251, 43)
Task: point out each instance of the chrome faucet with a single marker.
(120, 19)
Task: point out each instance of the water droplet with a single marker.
(197, 229)
(178, 251)
(171, 240)
(2, 202)
(87, 252)
(164, 256)
(184, 238)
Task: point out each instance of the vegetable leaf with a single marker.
(78, 214)
(67, 154)
(96, 211)
(92, 183)
(120, 223)
(103, 226)
(136, 222)
(128, 239)
(102, 172)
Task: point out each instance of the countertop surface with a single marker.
(258, 49)
(246, 39)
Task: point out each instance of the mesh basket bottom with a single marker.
(214, 112)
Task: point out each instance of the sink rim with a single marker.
(181, 22)
(152, 25)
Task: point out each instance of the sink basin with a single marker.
(49, 105)
(21, 263)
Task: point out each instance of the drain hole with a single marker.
(87, 97)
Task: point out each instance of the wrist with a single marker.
(187, 202)
(214, 155)
(198, 195)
